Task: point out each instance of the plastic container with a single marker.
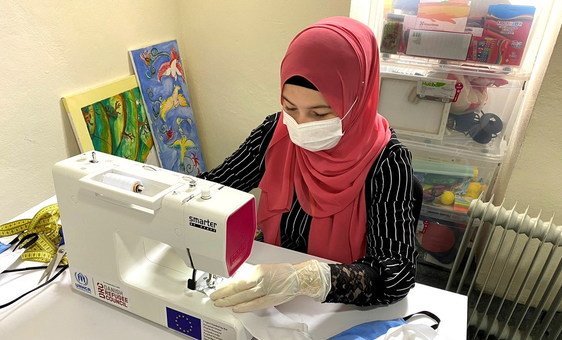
(438, 236)
(392, 34)
(451, 180)
(476, 115)
(489, 36)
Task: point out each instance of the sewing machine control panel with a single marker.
(143, 184)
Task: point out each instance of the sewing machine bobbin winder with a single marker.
(134, 247)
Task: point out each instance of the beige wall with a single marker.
(233, 53)
(55, 48)
(51, 49)
(537, 176)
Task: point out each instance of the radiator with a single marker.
(509, 265)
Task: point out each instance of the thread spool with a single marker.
(123, 182)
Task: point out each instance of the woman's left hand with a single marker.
(273, 284)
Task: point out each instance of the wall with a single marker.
(54, 48)
(536, 179)
(51, 49)
(233, 53)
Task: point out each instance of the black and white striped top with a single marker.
(387, 271)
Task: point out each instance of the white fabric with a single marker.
(410, 331)
(268, 285)
(271, 324)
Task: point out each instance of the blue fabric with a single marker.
(368, 330)
(4, 247)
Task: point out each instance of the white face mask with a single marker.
(315, 136)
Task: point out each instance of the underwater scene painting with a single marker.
(161, 77)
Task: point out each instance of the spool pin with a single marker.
(123, 182)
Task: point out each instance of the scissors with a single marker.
(57, 258)
(17, 247)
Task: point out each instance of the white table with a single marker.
(58, 312)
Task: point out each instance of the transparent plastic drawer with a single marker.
(438, 237)
(451, 180)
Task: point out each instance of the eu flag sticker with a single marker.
(184, 323)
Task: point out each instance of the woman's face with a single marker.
(305, 105)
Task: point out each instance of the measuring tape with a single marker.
(46, 225)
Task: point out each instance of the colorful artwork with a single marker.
(111, 119)
(161, 76)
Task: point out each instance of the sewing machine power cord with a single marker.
(61, 270)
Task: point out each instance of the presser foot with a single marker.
(207, 283)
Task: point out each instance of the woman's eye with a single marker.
(291, 109)
(317, 114)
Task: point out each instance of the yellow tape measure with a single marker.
(12, 228)
(46, 225)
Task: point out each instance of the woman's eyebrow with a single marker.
(321, 107)
(312, 107)
(288, 101)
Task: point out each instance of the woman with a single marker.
(335, 181)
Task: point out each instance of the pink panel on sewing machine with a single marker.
(240, 231)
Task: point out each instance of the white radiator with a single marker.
(511, 275)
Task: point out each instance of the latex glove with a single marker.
(273, 284)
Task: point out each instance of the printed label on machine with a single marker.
(112, 293)
(197, 328)
(215, 331)
(183, 323)
(82, 282)
(203, 223)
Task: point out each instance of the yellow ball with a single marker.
(447, 198)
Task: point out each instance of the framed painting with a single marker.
(111, 119)
(162, 81)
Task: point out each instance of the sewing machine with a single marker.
(134, 233)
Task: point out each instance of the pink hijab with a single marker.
(340, 57)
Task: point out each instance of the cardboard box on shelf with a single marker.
(504, 37)
(437, 44)
(442, 16)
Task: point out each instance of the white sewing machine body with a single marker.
(134, 250)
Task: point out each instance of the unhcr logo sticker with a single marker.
(81, 282)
